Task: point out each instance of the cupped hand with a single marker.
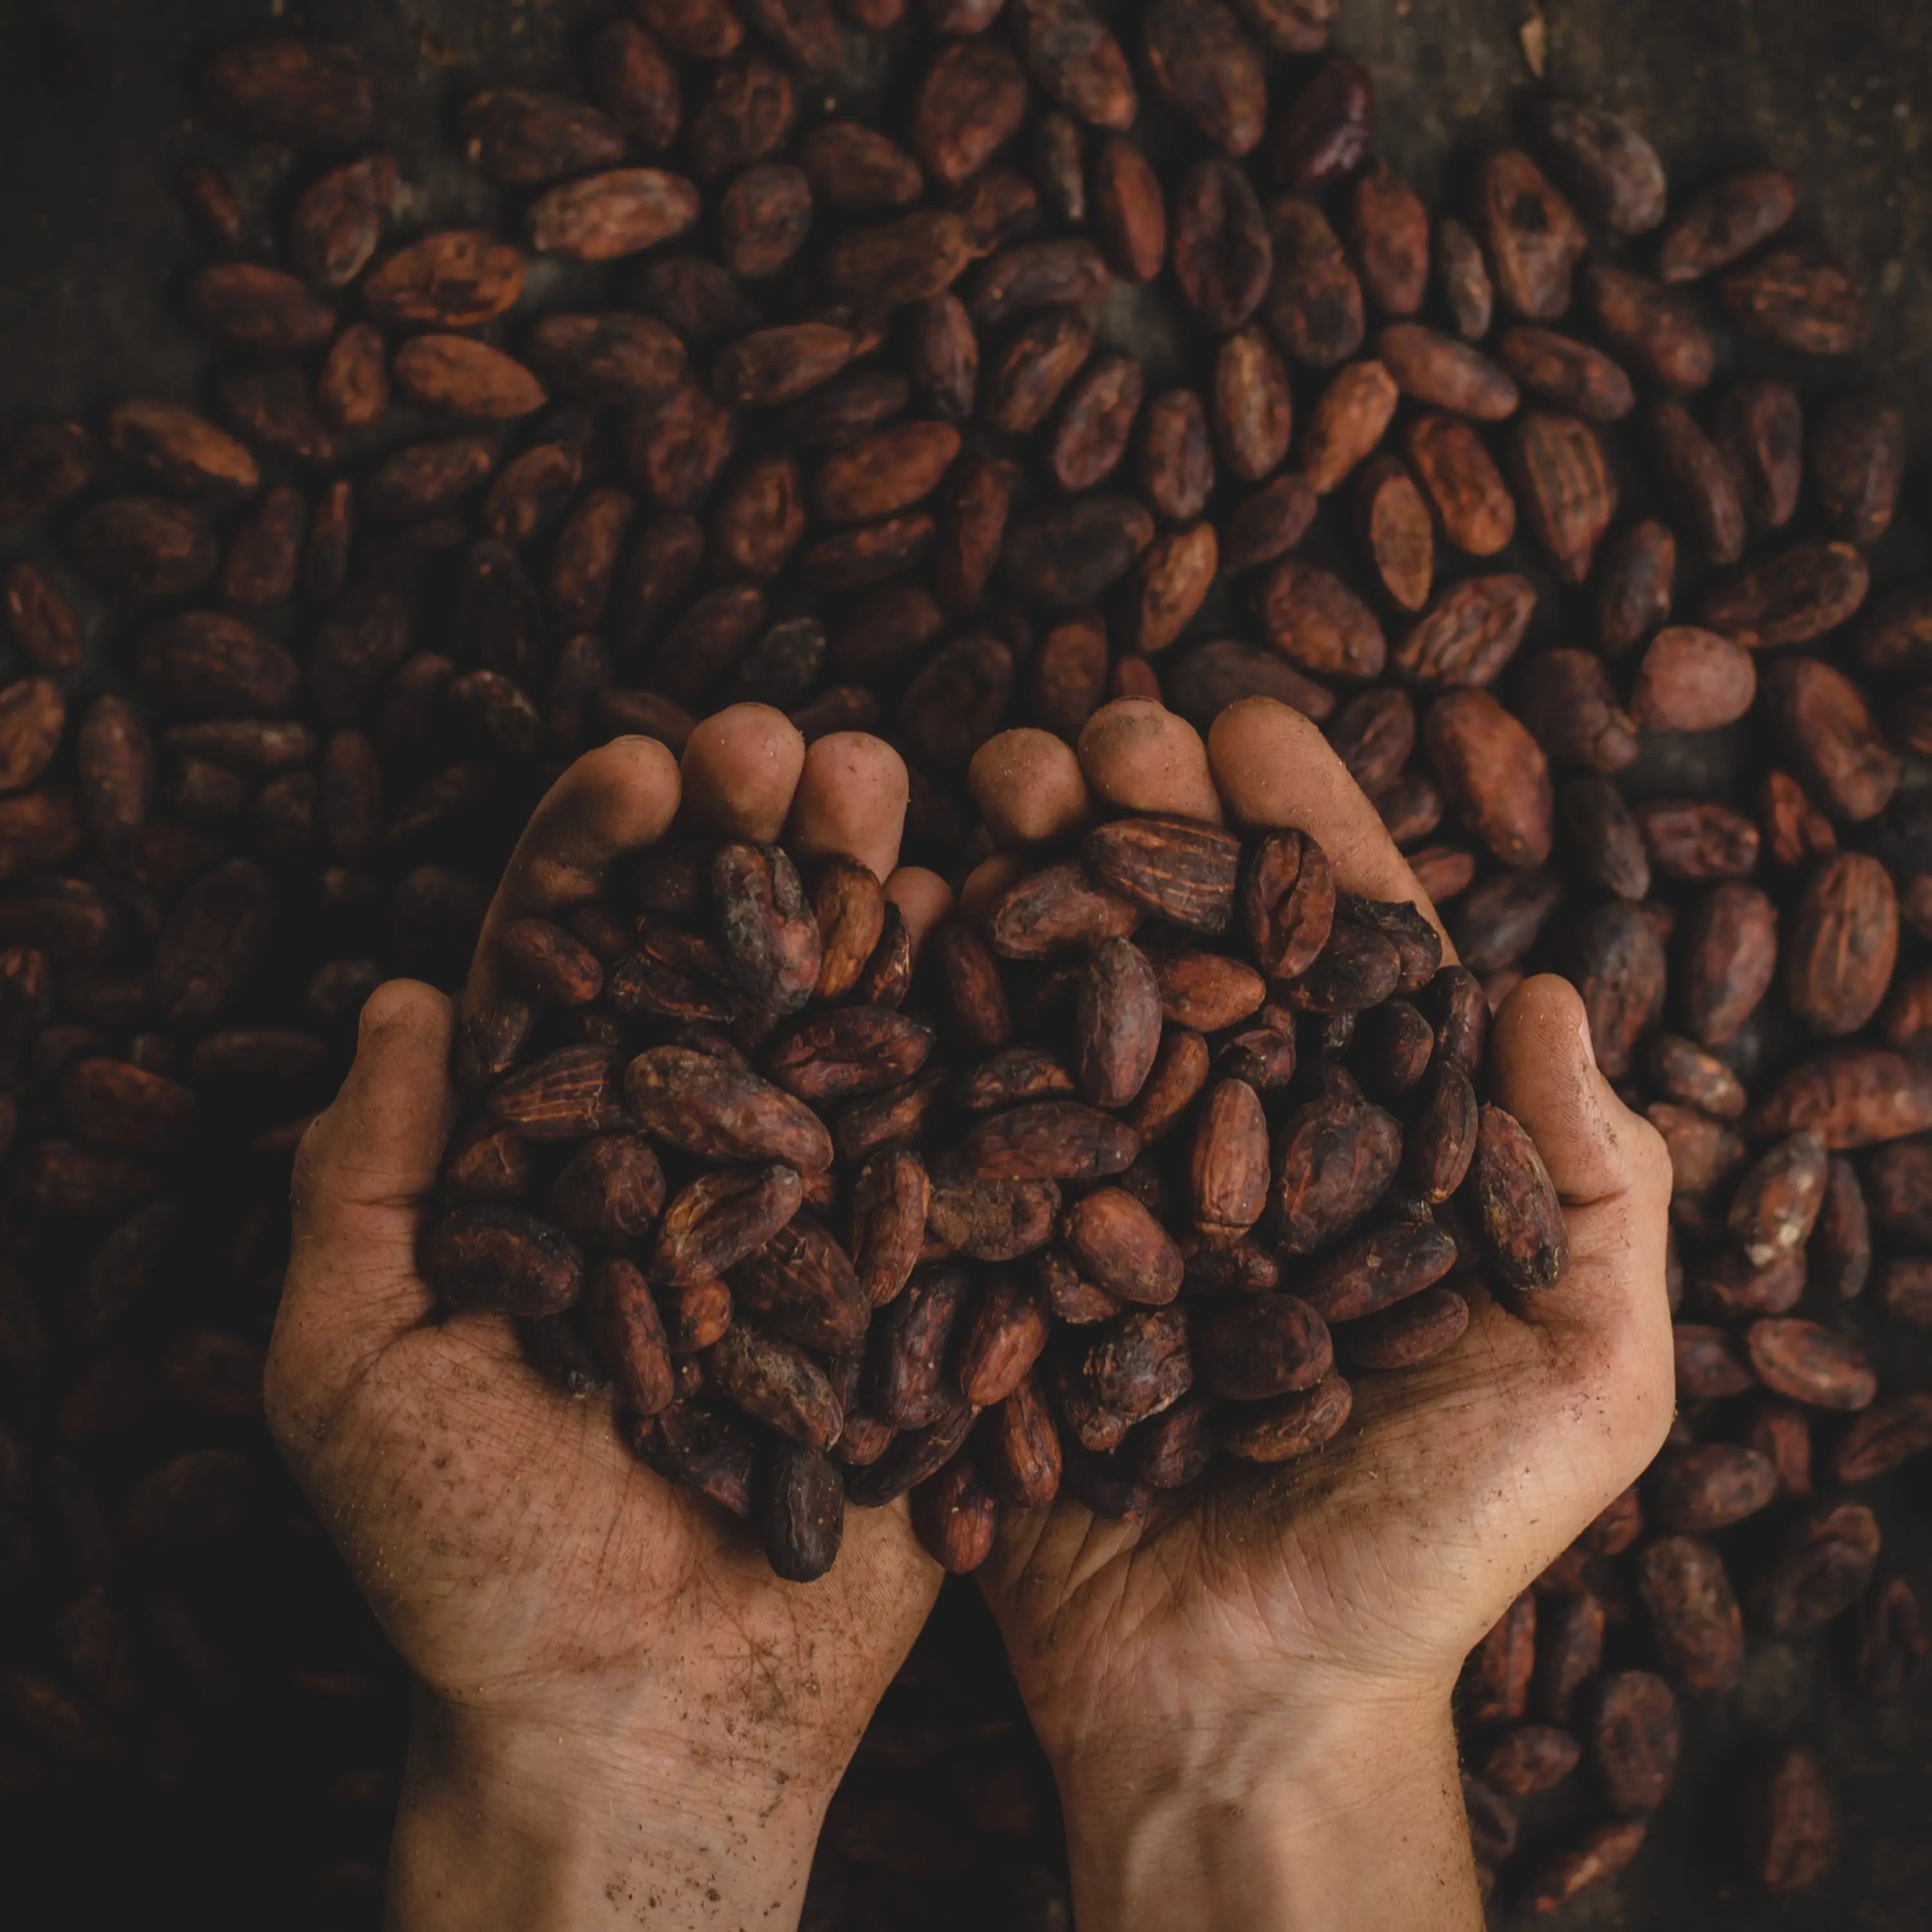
(622, 1713)
(1245, 1695)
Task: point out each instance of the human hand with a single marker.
(1246, 1695)
(622, 1712)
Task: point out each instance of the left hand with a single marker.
(623, 1716)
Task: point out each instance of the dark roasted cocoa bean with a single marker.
(1287, 1426)
(1823, 1568)
(1496, 1678)
(1333, 1161)
(1021, 1447)
(1650, 326)
(1798, 297)
(1123, 1248)
(502, 1260)
(1532, 234)
(1811, 1363)
(1518, 1214)
(1325, 134)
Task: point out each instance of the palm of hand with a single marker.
(557, 1562)
(1374, 1565)
(1370, 1568)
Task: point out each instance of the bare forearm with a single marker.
(1358, 1828)
(545, 1834)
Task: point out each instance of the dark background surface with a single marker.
(95, 117)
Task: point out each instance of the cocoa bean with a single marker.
(1314, 620)
(1378, 1270)
(1532, 236)
(1494, 773)
(1651, 326)
(1519, 1217)
(1566, 1874)
(1710, 1486)
(1567, 701)
(1810, 1364)
(1123, 1248)
(717, 1220)
(1777, 1204)
(1693, 1614)
(1478, 512)
(1470, 634)
(1529, 1759)
(1798, 297)
(1634, 1738)
(501, 1260)
(1823, 1568)
(1289, 1426)
(1792, 1823)
(1891, 1640)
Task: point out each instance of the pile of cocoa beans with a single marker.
(931, 371)
(1030, 1152)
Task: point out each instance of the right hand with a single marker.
(1245, 1695)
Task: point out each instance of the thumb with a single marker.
(1546, 1074)
(361, 1175)
(1609, 1317)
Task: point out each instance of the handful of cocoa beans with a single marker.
(1118, 1181)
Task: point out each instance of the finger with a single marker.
(1545, 1073)
(1139, 756)
(1610, 1314)
(362, 1173)
(618, 799)
(1029, 787)
(740, 770)
(851, 802)
(1273, 767)
(923, 899)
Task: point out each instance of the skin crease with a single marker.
(1246, 1697)
(623, 1718)
(621, 1714)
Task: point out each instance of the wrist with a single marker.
(541, 1825)
(1273, 1818)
